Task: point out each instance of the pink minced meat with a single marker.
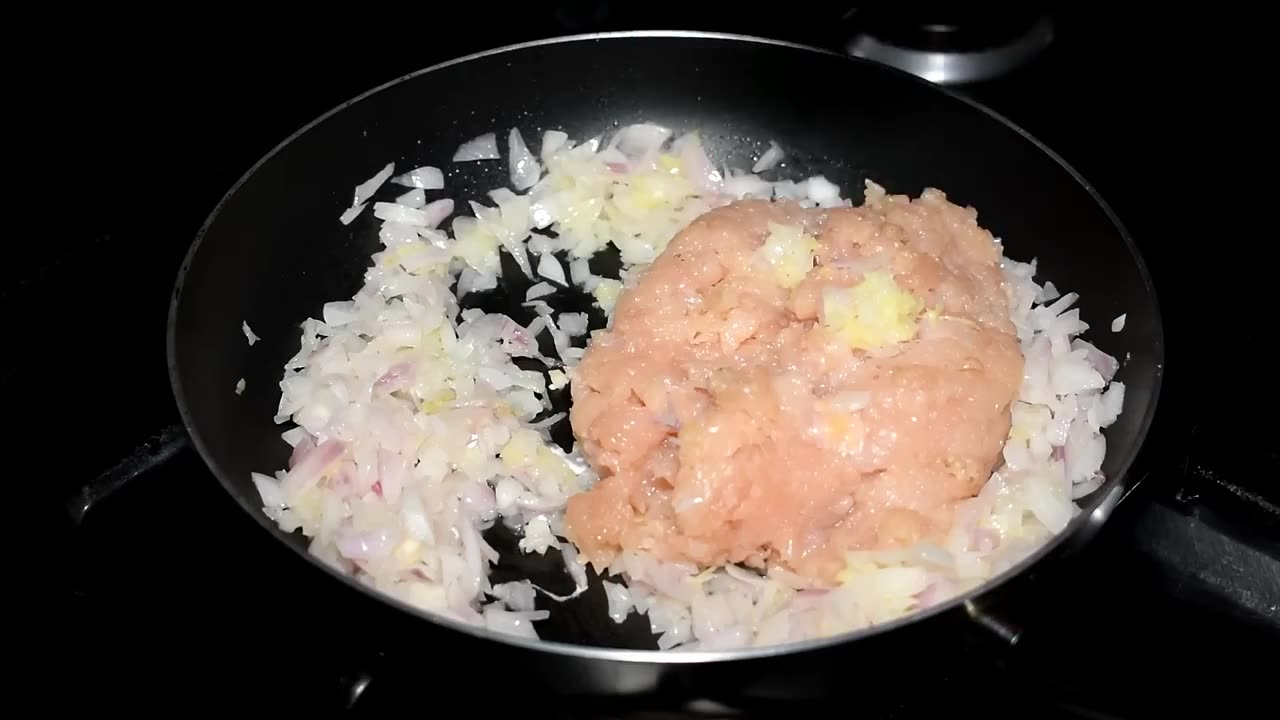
(711, 407)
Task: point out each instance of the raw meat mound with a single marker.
(785, 384)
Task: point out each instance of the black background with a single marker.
(138, 121)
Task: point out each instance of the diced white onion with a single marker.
(396, 213)
(769, 158)
(483, 147)
(413, 199)
(525, 170)
(337, 314)
(425, 178)
(351, 213)
(573, 324)
(269, 488)
(541, 289)
(619, 599)
(366, 189)
(248, 334)
(552, 141)
(436, 211)
(550, 268)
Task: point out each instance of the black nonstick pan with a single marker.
(272, 253)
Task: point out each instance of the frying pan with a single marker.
(273, 252)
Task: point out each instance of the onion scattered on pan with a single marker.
(415, 431)
(248, 334)
(769, 158)
(525, 170)
(549, 267)
(364, 191)
(539, 290)
(413, 199)
(484, 147)
(424, 178)
(351, 213)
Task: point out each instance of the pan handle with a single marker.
(155, 451)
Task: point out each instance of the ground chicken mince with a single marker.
(785, 384)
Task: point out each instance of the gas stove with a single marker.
(169, 593)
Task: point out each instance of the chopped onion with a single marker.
(416, 523)
(535, 326)
(1118, 324)
(541, 289)
(393, 212)
(484, 147)
(518, 596)
(513, 623)
(337, 314)
(413, 199)
(549, 420)
(366, 545)
(270, 490)
(540, 244)
(500, 195)
(579, 271)
(539, 306)
(436, 211)
(549, 268)
(789, 190)
(294, 436)
(577, 570)
(573, 324)
(1085, 487)
(248, 334)
(639, 144)
(240, 386)
(983, 540)
(822, 191)
(424, 178)
(1069, 375)
(471, 281)
(525, 170)
(619, 600)
(694, 160)
(394, 233)
(770, 158)
(552, 141)
(558, 379)
(478, 497)
(1100, 361)
(1083, 452)
(350, 213)
(742, 186)
(537, 536)
(1046, 314)
(366, 189)
(507, 493)
(1107, 406)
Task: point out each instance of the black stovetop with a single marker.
(165, 591)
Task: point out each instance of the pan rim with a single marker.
(1089, 520)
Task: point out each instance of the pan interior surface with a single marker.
(274, 251)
